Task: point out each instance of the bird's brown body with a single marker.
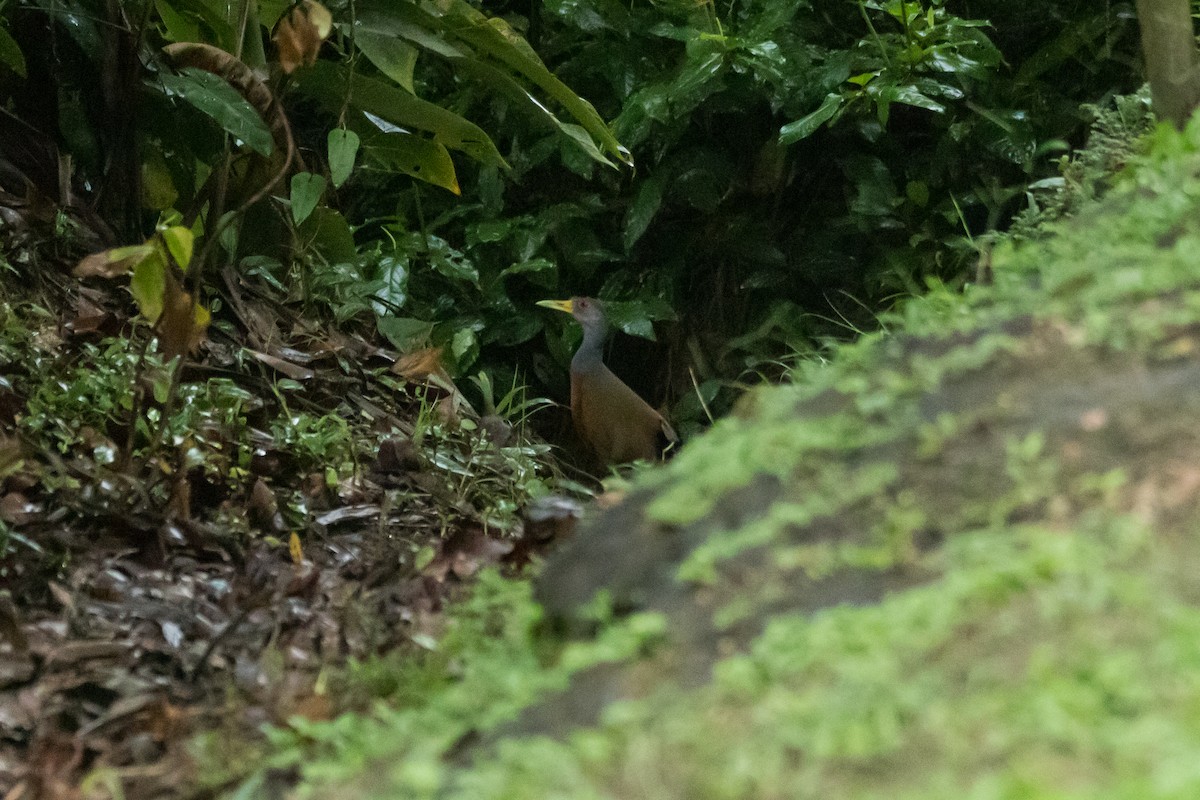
(610, 418)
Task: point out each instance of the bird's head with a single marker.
(588, 311)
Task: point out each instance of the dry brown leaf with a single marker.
(15, 508)
(110, 263)
(420, 364)
(261, 505)
(293, 371)
(299, 35)
(182, 324)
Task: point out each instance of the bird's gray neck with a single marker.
(591, 352)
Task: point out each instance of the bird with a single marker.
(615, 423)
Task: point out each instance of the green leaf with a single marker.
(413, 155)
(508, 86)
(148, 285)
(326, 81)
(327, 232)
(636, 317)
(216, 98)
(541, 271)
(448, 261)
(180, 27)
(496, 41)
(405, 333)
(269, 11)
(307, 189)
(10, 53)
(908, 95)
(343, 147)
(394, 58)
(462, 343)
(408, 22)
(807, 125)
(532, 265)
(642, 211)
(180, 242)
(393, 274)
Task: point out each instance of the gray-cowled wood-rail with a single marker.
(610, 418)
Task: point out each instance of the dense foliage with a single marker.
(797, 164)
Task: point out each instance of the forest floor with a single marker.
(312, 501)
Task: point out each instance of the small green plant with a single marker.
(324, 441)
(489, 465)
(86, 404)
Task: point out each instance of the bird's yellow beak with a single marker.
(558, 305)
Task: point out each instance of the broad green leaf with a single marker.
(908, 95)
(406, 21)
(494, 37)
(253, 53)
(180, 242)
(216, 98)
(636, 317)
(807, 125)
(307, 189)
(541, 271)
(158, 184)
(393, 275)
(327, 232)
(532, 265)
(642, 211)
(462, 343)
(180, 27)
(209, 21)
(10, 54)
(394, 58)
(343, 147)
(413, 155)
(917, 193)
(148, 284)
(269, 11)
(326, 81)
(447, 260)
(405, 333)
(508, 86)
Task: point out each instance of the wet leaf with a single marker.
(214, 97)
(148, 284)
(307, 189)
(343, 148)
(806, 126)
(394, 58)
(180, 242)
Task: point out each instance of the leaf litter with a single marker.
(148, 599)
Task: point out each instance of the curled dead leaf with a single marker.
(293, 371)
(300, 33)
(112, 263)
(420, 364)
(183, 322)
